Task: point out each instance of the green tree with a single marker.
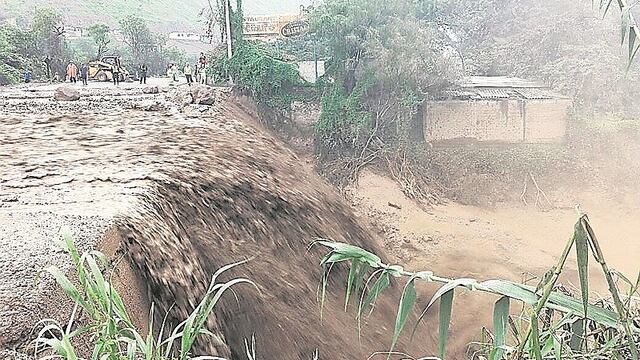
(10, 60)
(138, 37)
(100, 35)
(48, 31)
(384, 59)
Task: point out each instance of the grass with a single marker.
(108, 325)
(552, 325)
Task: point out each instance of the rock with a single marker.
(66, 93)
(203, 94)
(150, 105)
(150, 90)
(181, 96)
(195, 110)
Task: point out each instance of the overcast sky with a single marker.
(273, 7)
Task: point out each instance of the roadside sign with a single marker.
(295, 28)
(273, 27)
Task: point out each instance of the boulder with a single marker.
(181, 96)
(66, 93)
(149, 105)
(203, 94)
(150, 90)
(195, 110)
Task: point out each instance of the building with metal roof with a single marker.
(497, 109)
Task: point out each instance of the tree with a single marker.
(564, 44)
(137, 36)
(385, 58)
(100, 35)
(48, 31)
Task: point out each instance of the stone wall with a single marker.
(504, 120)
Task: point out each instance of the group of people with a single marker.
(73, 73)
(196, 73)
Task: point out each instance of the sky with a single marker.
(273, 7)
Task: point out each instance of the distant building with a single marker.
(497, 109)
(185, 36)
(74, 32)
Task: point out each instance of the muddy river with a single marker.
(180, 191)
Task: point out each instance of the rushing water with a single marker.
(188, 196)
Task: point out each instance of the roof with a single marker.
(499, 81)
(500, 87)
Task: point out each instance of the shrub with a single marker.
(256, 70)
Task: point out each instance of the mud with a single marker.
(185, 196)
(510, 241)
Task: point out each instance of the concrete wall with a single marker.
(507, 120)
(546, 120)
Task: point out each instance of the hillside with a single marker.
(162, 15)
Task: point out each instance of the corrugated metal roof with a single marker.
(500, 87)
(498, 82)
(538, 93)
(492, 93)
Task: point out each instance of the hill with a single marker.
(162, 15)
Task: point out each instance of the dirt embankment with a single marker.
(184, 196)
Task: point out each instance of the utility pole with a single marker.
(227, 16)
(228, 25)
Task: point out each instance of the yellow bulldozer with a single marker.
(102, 70)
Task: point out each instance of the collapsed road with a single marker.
(177, 189)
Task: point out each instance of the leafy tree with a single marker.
(138, 37)
(385, 58)
(100, 35)
(48, 31)
(10, 61)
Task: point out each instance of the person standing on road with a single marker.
(174, 72)
(72, 72)
(27, 76)
(188, 73)
(84, 73)
(116, 71)
(143, 73)
(203, 74)
(196, 73)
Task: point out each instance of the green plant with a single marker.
(255, 69)
(552, 326)
(344, 122)
(109, 326)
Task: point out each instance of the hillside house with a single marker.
(497, 109)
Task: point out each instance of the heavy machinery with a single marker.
(102, 70)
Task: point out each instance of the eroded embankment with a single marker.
(241, 194)
(191, 195)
